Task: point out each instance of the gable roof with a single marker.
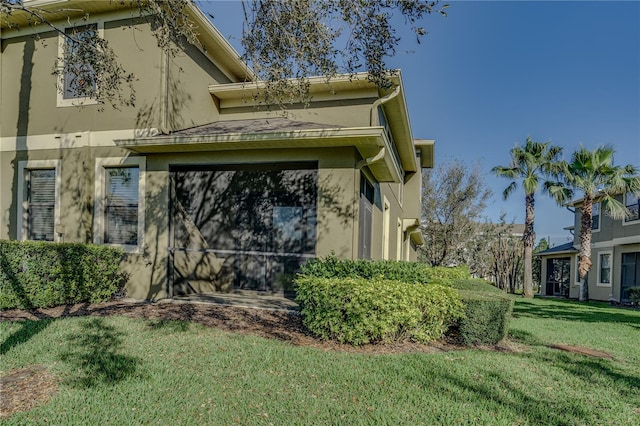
(214, 44)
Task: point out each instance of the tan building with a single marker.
(204, 191)
(615, 256)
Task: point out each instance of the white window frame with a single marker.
(599, 282)
(100, 191)
(386, 228)
(23, 202)
(599, 217)
(61, 101)
(630, 222)
(399, 245)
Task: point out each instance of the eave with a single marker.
(338, 88)
(61, 12)
(368, 141)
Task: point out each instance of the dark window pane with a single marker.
(121, 208)
(79, 75)
(41, 204)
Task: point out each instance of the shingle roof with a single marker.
(258, 125)
(567, 247)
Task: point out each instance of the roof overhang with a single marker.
(340, 87)
(62, 12)
(368, 141)
(427, 152)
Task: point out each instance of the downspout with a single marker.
(369, 161)
(373, 118)
(164, 94)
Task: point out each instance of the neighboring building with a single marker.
(615, 256)
(204, 191)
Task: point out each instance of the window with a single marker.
(41, 198)
(595, 217)
(632, 202)
(121, 205)
(76, 78)
(365, 218)
(604, 268)
(119, 202)
(386, 225)
(38, 198)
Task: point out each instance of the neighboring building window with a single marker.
(365, 219)
(38, 198)
(632, 202)
(76, 77)
(121, 205)
(119, 202)
(604, 268)
(41, 200)
(595, 216)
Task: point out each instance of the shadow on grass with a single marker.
(27, 330)
(575, 311)
(93, 353)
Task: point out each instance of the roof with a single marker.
(214, 44)
(563, 248)
(257, 125)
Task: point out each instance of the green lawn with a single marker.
(117, 370)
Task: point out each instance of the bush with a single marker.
(408, 272)
(39, 274)
(487, 312)
(634, 295)
(359, 310)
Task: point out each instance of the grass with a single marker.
(117, 370)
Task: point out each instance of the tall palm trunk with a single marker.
(585, 247)
(529, 238)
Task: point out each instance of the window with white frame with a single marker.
(604, 268)
(595, 217)
(38, 200)
(76, 77)
(119, 209)
(632, 202)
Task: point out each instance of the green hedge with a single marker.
(408, 272)
(487, 313)
(359, 310)
(39, 274)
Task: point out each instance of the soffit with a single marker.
(368, 142)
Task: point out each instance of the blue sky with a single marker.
(492, 73)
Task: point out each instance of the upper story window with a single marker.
(632, 202)
(76, 77)
(595, 217)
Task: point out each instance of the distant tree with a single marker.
(543, 245)
(593, 175)
(495, 254)
(454, 197)
(531, 163)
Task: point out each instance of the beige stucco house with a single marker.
(204, 191)
(615, 256)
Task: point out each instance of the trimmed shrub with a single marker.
(408, 272)
(39, 274)
(359, 310)
(487, 312)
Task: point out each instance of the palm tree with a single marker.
(531, 163)
(593, 174)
